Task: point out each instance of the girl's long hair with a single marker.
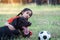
(25, 9)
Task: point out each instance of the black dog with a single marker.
(6, 33)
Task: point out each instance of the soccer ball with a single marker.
(44, 35)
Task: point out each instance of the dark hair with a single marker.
(26, 9)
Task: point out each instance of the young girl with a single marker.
(25, 14)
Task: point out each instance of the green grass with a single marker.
(45, 17)
(41, 22)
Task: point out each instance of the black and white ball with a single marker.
(44, 35)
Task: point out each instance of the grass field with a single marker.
(45, 17)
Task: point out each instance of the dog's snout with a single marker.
(44, 37)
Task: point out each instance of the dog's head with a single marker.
(20, 22)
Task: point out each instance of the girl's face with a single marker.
(26, 14)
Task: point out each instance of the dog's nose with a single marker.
(44, 37)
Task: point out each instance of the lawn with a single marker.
(45, 17)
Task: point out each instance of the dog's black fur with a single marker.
(6, 33)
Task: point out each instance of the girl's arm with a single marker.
(10, 26)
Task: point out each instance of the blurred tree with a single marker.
(38, 2)
(58, 1)
(33, 1)
(4, 1)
